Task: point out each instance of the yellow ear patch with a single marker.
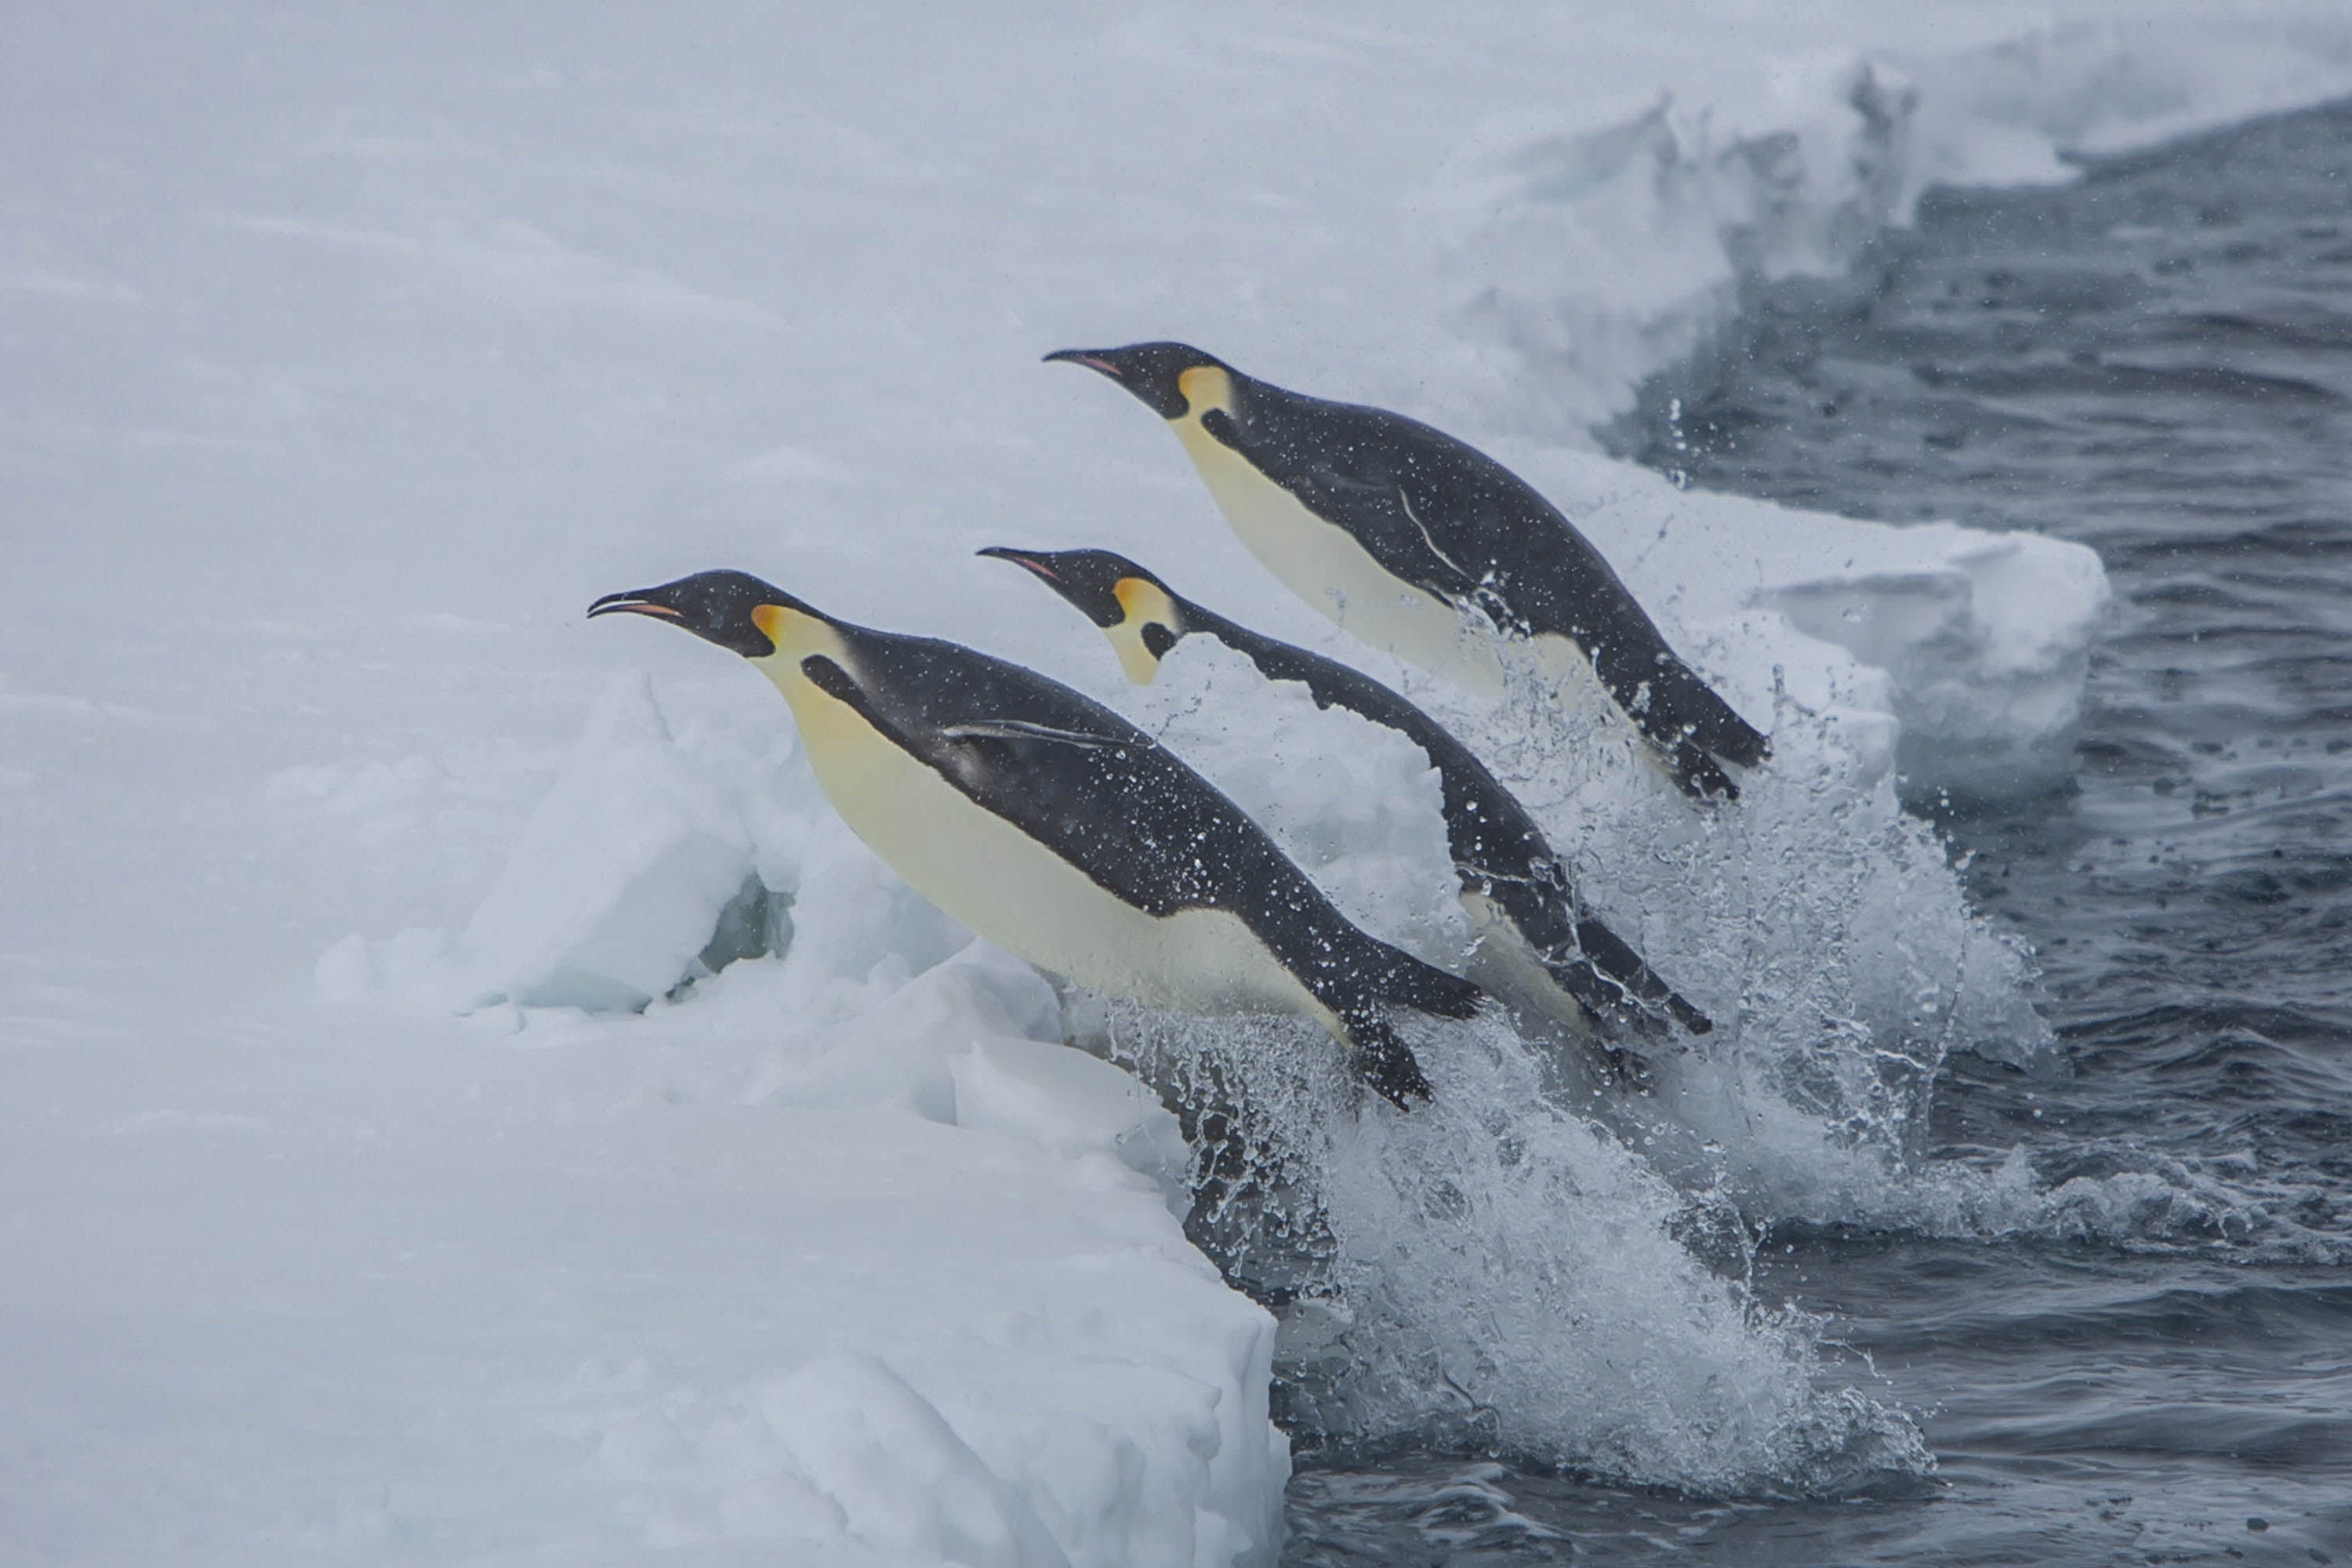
(1146, 604)
(1144, 601)
(1206, 386)
(794, 632)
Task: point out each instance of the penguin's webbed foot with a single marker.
(1386, 1063)
(1697, 774)
(1692, 1021)
(1626, 1069)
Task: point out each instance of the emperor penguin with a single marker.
(1535, 946)
(1398, 531)
(1059, 831)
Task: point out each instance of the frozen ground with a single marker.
(350, 356)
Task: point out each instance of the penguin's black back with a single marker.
(1115, 804)
(1487, 830)
(1444, 516)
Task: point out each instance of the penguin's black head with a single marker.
(1153, 371)
(1088, 579)
(723, 607)
(1134, 608)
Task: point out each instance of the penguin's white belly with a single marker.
(1323, 563)
(1012, 890)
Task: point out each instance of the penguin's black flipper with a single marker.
(1379, 514)
(1023, 730)
(1385, 1062)
(1732, 738)
(1393, 531)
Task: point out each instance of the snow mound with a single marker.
(1071, 1103)
(639, 864)
(1012, 1354)
(898, 1477)
(619, 879)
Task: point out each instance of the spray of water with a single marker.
(1492, 1273)
(1821, 926)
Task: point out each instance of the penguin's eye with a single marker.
(1158, 639)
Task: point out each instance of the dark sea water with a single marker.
(2155, 361)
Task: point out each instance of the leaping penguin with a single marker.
(1059, 831)
(1396, 531)
(1534, 940)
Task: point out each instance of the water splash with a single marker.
(1824, 928)
(1495, 1274)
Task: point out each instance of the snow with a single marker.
(384, 1173)
(1975, 644)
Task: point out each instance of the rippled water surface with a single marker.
(2156, 362)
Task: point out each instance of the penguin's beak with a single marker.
(637, 602)
(1019, 558)
(1089, 358)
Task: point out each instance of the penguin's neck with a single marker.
(799, 636)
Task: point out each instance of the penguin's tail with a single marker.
(1382, 1060)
